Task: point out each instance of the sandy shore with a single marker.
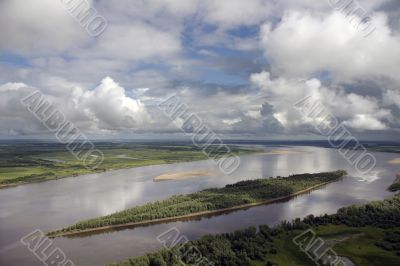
(281, 152)
(183, 175)
(394, 161)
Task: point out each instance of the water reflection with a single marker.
(55, 204)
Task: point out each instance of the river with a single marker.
(55, 204)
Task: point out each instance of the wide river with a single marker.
(56, 204)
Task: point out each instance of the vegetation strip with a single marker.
(371, 232)
(241, 195)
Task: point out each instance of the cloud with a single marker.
(135, 42)
(302, 44)
(228, 14)
(113, 110)
(392, 97)
(105, 109)
(356, 111)
(210, 54)
(38, 27)
(365, 122)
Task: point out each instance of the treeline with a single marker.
(239, 248)
(244, 192)
(244, 247)
(383, 214)
(396, 184)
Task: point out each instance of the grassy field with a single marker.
(362, 249)
(359, 246)
(33, 162)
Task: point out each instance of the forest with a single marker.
(241, 193)
(377, 224)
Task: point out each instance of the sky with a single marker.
(239, 65)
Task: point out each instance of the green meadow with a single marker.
(26, 163)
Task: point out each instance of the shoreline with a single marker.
(187, 216)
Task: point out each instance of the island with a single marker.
(243, 194)
(364, 235)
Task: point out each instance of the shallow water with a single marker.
(55, 204)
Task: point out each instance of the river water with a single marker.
(56, 204)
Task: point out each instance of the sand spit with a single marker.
(394, 161)
(183, 175)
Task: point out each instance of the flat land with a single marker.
(35, 162)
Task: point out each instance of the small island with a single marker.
(243, 194)
(396, 184)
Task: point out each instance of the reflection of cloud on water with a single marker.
(117, 199)
(311, 161)
(370, 177)
(120, 200)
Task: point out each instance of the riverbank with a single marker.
(251, 187)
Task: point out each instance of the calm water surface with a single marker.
(55, 204)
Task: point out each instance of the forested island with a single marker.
(243, 194)
(367, 235)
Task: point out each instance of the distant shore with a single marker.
(152, 159)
